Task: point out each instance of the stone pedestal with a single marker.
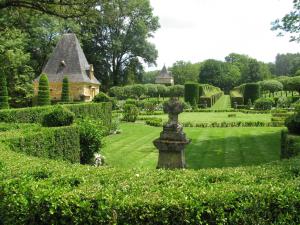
(172, 140)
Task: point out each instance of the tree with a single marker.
(64, 9)
(44, 92)
(294, 84)
(252, 73)
(117, 33)
(14, 64)
(176, 90)
(3, 92)
(289, 23)
(151, 90)
(138, 90)
(65, 93)
(185, 72)
(271, 86)
(287, 64)
(149, 77)
(117, 92)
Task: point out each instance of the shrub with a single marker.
(149, 107)
(232, 115)
(100, 111)
(290, 145)
(91, 134)
(293, 123)
(263, 104)
(283, 102)
(176, 91)
(65, 93)
(3, 92)
(130, 113)
(153, 121)
(251, 91)
(44, 92)
(58, 117)
(191, 93)
(117, 92)
(101, 97)
(54, 143)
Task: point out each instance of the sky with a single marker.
(196, 30)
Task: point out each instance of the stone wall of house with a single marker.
(78, 91)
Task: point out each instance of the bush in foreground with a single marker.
(101, 97)
(263, 104)
(58, 117)
(130, 113)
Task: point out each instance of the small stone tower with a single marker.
(164, 77)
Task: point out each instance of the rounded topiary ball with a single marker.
(101, 97)
(58, 117)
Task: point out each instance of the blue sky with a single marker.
(195, 30)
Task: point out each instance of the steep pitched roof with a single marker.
(164, 73)
(164, 77)
(68, 60)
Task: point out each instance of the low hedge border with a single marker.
(40, 191)
(35, 114)
(60, 143)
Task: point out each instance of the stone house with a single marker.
(164, 77)
(68, 60)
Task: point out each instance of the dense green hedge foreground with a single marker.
(40, 191)
(60, 143)
(35, 114)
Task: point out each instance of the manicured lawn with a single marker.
(222, 103)
(217, 117)
(210, 147)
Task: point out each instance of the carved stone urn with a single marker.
(172, 140)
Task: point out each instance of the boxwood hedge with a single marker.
(35, 114)
(41, 191)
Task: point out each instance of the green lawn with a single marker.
(222, 103)
(210, 147)
(217, 117)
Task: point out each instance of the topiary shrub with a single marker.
(130, 113)
(263, 104)
(65, 93)
(191, 93)
(101, 97)
(44, 92)
(251, 91)
(58, 117)
(293, 123)
(91, 134)
(3, 92)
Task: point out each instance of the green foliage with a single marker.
(290, 144)
(210, 95)
(263, 104)
(184, 72)
(271, 85)
(191, 93)
(289, 23)
(91, 134)
(130, 113)
(44, 91)
(151, 90)
(293, 123)
(155, 122)
(15, 66)
(124, 40)
(100, 111)
(101, 97)
(251, 91)
(58, 117)
(138, 90)
(65, 94)
(176, 91)
(54, 143)
(3, 92)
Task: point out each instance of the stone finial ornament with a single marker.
(172, 140)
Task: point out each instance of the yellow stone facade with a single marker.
(78, 91)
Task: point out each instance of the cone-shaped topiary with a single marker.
(3, 92)
(65, 93)
(44, 92)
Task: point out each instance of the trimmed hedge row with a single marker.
(35, 114)
(240, 95)
(209, 95)
(61, 143)
(40, 191)
(191, 93)
(290, 144)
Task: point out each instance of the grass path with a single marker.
(222, 103)
(212, 147)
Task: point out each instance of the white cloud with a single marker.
(195, 30)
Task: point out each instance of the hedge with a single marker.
(290, 144)
(236, 98)
(40, 191)
(251, 91)
(35, 114)
(209, 95)
(191, 93)
(54, 143)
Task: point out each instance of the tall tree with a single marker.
(290, 23)
(117, 33)
(287, 64)
(15, 65)
(64, 9)
(185, 72)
